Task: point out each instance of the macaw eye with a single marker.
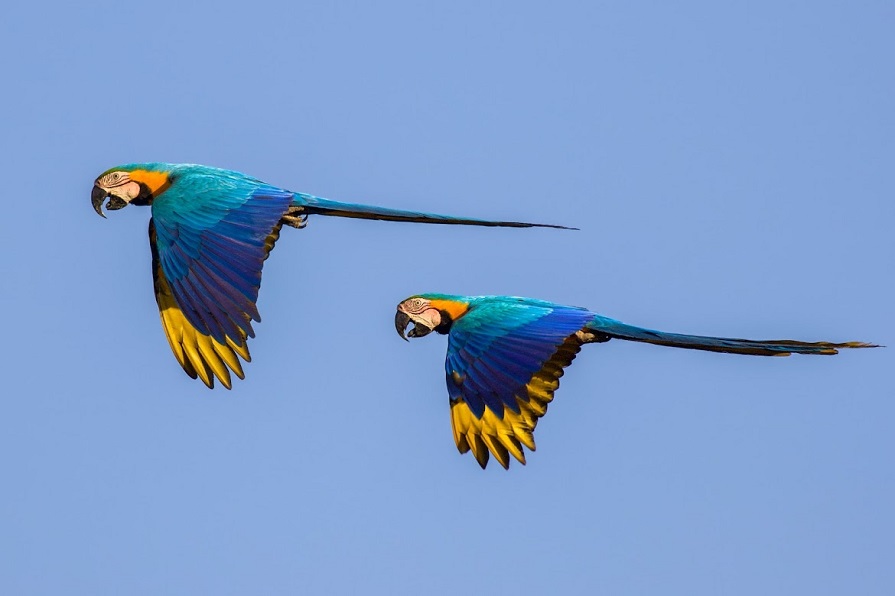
(113, 178)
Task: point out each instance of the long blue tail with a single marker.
(317, 205)
(770, 347)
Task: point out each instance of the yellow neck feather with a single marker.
(157, 182)
(452, 308)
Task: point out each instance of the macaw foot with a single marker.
(588, 336)
(295, 217)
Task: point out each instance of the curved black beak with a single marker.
(402, 319)
(420, 329)
(97, 196)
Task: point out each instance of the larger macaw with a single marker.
(210, 232)
(505, 356)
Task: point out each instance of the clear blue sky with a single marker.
(730, 168)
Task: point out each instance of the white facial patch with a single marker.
(128, 191)
(120, 185)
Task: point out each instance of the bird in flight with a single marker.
(505, 356)
(210, 233)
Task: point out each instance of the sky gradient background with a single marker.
(730, 169)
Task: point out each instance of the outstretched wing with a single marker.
(503, 365)
(209, 242)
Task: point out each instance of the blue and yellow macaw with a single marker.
(506, 354)
(210, 233)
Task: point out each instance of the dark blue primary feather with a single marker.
(211, 233)
(499, 344)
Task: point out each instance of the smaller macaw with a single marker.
(505, 356)
(211, 231)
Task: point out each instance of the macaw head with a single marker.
(428, 313)
(136, 184)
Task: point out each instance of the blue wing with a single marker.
(503, 365)
(212, 234)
